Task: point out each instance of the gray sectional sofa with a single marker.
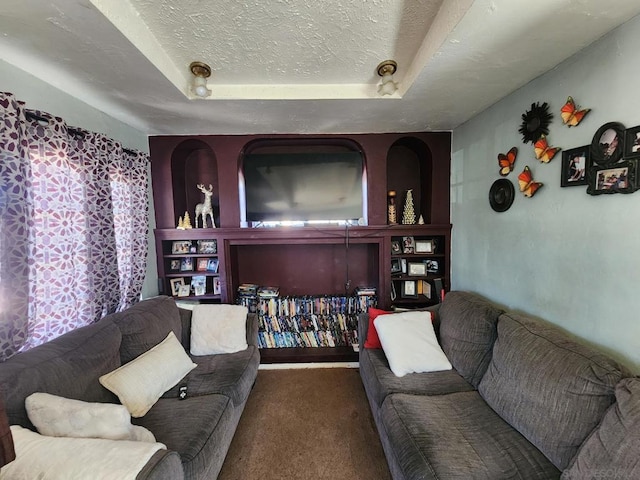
(197, 430)
(523, 401)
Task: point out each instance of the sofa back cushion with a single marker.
(553, 390)
(146, 324)
(467, 332)
(68, 366)
(613, 447)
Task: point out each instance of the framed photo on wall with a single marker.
(616, 178)
(632, 142)
(575, 164)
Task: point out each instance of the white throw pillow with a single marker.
(55, 416)
(141, 382)
(218, 329)
(409, 343)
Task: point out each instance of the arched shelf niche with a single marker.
(409, 166)
(193, 163)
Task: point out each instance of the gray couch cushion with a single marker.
(549, 387)
(198, 428)
(612, 450)
(380, 381)
(68, 366)
(467, 332)
(146, 324)
(457, 436)
(230, 374)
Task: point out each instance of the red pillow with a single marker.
(372, 340)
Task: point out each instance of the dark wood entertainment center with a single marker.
(311, 260)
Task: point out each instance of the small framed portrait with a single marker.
(425, 246)
(409, 289)
(396, 247)
(212, 265)
(632, 142)
(607, 144)
(396, 266)
(176, 283)
(201, 266)
(208, 247)
(174, 265)
(184, 290)
(617, 178)
(432, 266)
(216, 286)
(575, 163)
(408, 245)
(186, 264)
(416, 269)
(181, 247)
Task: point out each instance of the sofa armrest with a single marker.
(164, 465)
(252, 329)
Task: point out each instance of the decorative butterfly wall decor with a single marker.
(543, 151)
(506, 161)
(571, 114)
(527, 185)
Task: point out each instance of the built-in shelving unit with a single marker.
(311, 260)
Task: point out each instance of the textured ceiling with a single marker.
(297, 66)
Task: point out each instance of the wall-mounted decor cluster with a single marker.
(611, 171)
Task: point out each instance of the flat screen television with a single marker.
(303, 188)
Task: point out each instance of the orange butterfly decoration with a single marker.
(571, 115)
(527, 185)
(506, 161)
(544, 152)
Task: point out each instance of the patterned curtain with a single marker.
(73, 229)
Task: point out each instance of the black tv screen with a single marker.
(303, 187)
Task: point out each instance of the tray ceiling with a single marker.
(297, 66)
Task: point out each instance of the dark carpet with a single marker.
(306, 424)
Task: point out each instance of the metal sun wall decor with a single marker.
(571, 114)
(506, 161)
(535, 122)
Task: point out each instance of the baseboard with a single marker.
(285, 366)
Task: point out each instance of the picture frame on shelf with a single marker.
(403, 265)
(607, 144)
(174, 265)
(202, 264)
(180, 247)
(432, 266)
(575, 164)
(175, 284)
(409, 289)
(184, 290)
(212, 265)
(396, 247)
(186, 264)
(199, 284)
(616, 178)
(396, 266)
(408, 245)
(416, 269)
(216, 286)
(208, 247)
(425, 246)
(632, 142)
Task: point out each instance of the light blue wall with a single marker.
(564, 256)
(39, 95)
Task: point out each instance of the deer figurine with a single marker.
(204, 209)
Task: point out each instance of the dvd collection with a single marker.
(305, 321)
